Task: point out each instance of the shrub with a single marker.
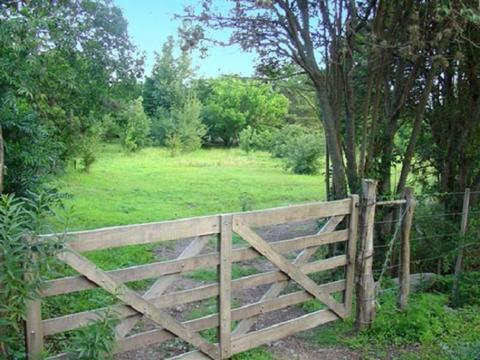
(252, 139)
(95, 342)
(303, 154)
(280, 142)
(89, 145)
(468, 290)
(181, 129)
(174, 144)
(135, 135)
(232, 104)
(21, 219)
(189, 126)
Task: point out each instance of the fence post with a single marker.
(404, 276)
(365, 282)
(33, 325)
(225, 286)
(463, 231)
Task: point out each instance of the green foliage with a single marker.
(59, 72)
(31, 152)
(95, 342)
(166, 88)
(247, 201)
(89, 146)
(233, 104)
(259, 353)
(137, 127)
(188, 125)
(252, 139)
(468, 290)
(281, 141)
(183, 130)
(21, 219)
(300, 148)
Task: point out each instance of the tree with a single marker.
(135, 135)
(167, 87)
(383, 56)
(233, 105)
(61, 63)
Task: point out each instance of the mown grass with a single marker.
(152, 186)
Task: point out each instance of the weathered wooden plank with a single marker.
(291, 270)
(256, 338)
(134, 300)
(294, 213)
(73, 321)
(33, 324)
(118, 236)
(34, 329)
(194, 248)
(277, 288)
(351, 255)
(78, 283)
(225, 286)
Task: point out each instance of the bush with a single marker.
(281, 141)
(89, 145)
(303, 153)
(252, 139)
(21, 219)
(135, 136)
(95, 342)
(189, 126)
(468, 289)
(181, 129)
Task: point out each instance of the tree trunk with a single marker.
(417, 127)
(333, 142)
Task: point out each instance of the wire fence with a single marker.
(434, 238)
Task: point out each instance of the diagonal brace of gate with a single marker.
(284, 265)
(159, 287)
(276, 289)
(137, 302)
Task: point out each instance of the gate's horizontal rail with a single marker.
(278, 331)
(78, 283)
(119, 236)
(295, 213)
(158, 336)
(74, 321)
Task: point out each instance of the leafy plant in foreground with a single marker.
(21, 219)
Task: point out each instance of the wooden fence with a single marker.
(154, 303)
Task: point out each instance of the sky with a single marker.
(150, 22)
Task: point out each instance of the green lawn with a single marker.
(151, 186)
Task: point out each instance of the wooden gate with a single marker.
(153, 304)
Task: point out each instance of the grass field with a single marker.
(151, 186)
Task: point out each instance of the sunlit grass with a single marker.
(151, 186)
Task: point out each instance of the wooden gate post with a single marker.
(225, 311)
(461, 243)
(33, 325)
(406, 226)
(365, 288)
